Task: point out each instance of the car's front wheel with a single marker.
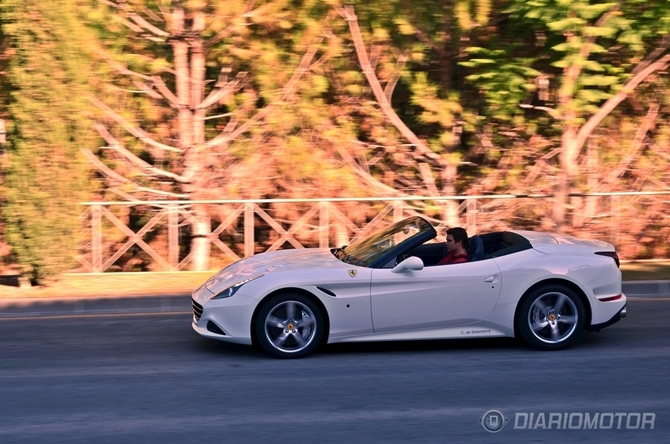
(289, 325)
(551, 317)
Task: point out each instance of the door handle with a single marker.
(490, 279)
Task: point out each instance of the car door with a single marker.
(434, 297)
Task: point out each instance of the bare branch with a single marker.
(133, 159)
(121, 68)
(140, 23)
(230, 126)
(655, 54)
(144, 88)
(651, 67)
(422, 150)
(360, 172)
(428, 179)
(151, 14)
(114, 176)
(156, 81)
(350, 16)
(622, 167)
(104, 169)
(166, 92)
(136, 132)
(551, 111)
(225, 32)
(221, 90)
(390, 86)
(130, 197)
(109, 3)
(163, 193)
(148, 26)
(123, 194)
(304, 67)
(427, 40)
(133, 27)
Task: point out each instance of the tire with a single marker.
(289, 325)
(551, 317)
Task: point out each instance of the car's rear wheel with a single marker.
(551, 317)
(289, 325)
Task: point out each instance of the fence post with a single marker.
(615, 208)
(96, 238)
(398, 210)
(324, 224)
(248, 229)
(471, 215)
(173, 236)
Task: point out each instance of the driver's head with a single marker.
(457, 236)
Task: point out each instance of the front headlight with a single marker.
(231, 290)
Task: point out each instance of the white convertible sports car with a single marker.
(544, 288)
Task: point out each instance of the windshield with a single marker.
(364, 251)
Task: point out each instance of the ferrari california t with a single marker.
(546, 289)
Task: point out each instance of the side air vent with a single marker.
(328, 292)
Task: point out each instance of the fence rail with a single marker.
(155, 235)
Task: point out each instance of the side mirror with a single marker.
(412, 263)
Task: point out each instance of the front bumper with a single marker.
(223, 319)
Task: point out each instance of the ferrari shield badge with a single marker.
(352, 273)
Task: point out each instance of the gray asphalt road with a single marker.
(145, 378)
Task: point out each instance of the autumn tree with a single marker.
(401, 88)
(577, 62)
(202, 103)
(260, 99)
(45, 175)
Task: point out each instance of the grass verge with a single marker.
(109, 284)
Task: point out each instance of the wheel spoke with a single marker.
(567, 319)
(560, 300)
(290, 309)
(555, 332)
(299, 339)
(279, 340)
(539, 325)
(541, 307)
(273, 321)
(306, 321)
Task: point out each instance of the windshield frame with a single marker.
(379, 248)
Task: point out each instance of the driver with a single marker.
(457, 246)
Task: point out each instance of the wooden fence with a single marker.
(155, 235)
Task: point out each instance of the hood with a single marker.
(276, 261)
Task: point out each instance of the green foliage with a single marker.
(45, 176)
(505, 83)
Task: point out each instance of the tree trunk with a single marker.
(183, 81)
(190, 69)
(591, 206)
(446, 57)
(449, 175)
(201, 227)
(569, 153)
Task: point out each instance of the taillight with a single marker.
(611, 254)
(611, 298)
